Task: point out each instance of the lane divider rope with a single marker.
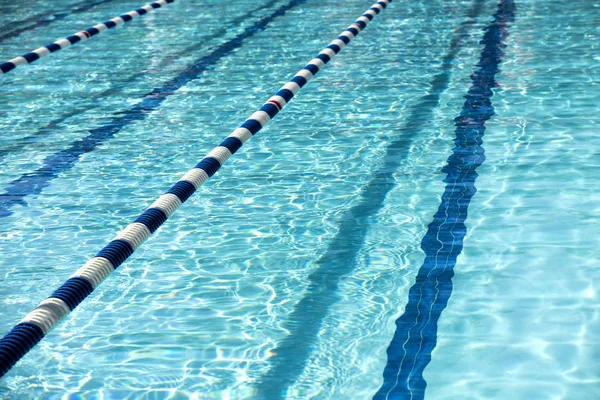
(35, 21)
(85, 34)
(31, 329)
(45, 18)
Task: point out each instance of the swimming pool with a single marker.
(284, 276)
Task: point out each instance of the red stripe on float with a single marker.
(276, 103)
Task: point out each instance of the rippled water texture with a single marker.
(283, 276)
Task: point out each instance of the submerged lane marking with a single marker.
(339, 258)
(53, 165)
(118, 88)
(416, 329)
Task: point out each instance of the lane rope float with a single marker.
(31, 329)
(44, 19)
(34, 182)
(85, 34)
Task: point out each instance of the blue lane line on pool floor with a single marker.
(35, 21)
(416, 329)
(340, 257)
(34, 182)
(118, 87)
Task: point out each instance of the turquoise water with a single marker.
(208, 306)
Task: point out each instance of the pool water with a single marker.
(284, 275)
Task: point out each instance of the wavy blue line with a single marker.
(54, 164)
(416, 329)
(339, 259)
